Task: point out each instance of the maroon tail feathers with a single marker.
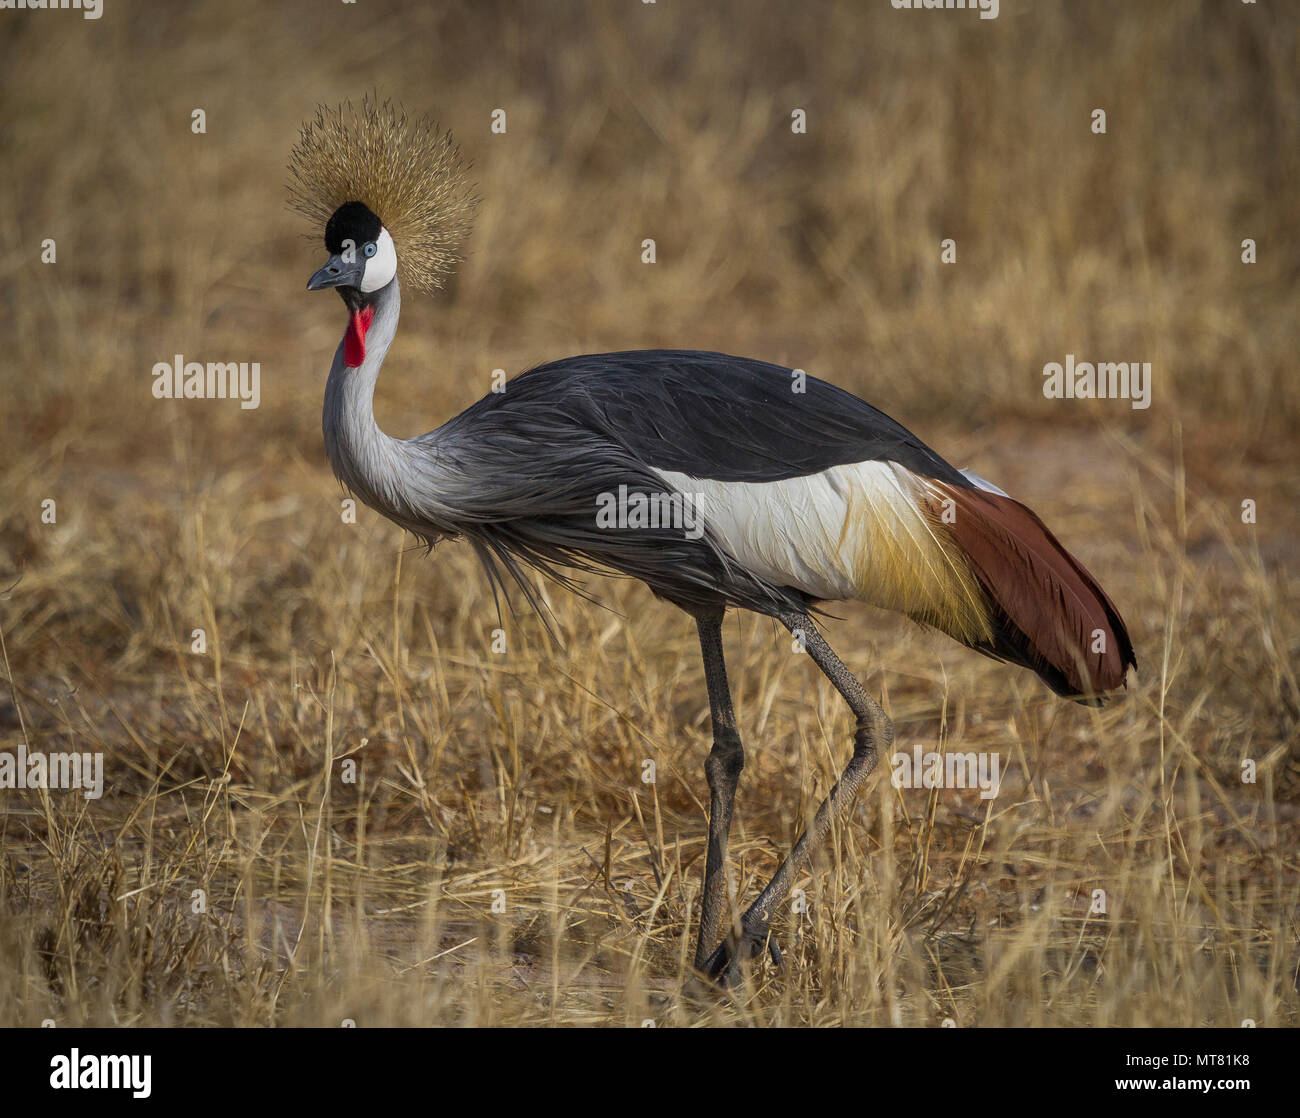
(1047, 612)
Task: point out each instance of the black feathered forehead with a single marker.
(351, 221)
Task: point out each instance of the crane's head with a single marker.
(362, 260)
(392, 194)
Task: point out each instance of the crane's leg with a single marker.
(726, 759)
(874, 735)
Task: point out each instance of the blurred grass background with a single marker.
(521, 772)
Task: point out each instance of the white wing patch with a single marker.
(859, 530)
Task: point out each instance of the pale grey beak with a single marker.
(337, 273)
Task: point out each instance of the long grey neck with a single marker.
(365, 460)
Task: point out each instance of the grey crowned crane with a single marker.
(802, 493)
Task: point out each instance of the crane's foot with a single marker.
(726, 965)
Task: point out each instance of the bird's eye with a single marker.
(369, 250)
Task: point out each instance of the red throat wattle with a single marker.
(354, 341)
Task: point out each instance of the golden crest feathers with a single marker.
(408, 171)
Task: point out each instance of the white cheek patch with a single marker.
(382, 267)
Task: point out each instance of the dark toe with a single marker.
(724, 965)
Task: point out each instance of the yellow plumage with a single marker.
(867, 530)
(907, 562)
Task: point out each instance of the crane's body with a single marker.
(801, 491)
(796, 491)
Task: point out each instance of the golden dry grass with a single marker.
(517, 776)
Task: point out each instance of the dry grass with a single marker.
(516, 777)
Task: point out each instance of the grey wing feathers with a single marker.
(536, 458)
(714, 416)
